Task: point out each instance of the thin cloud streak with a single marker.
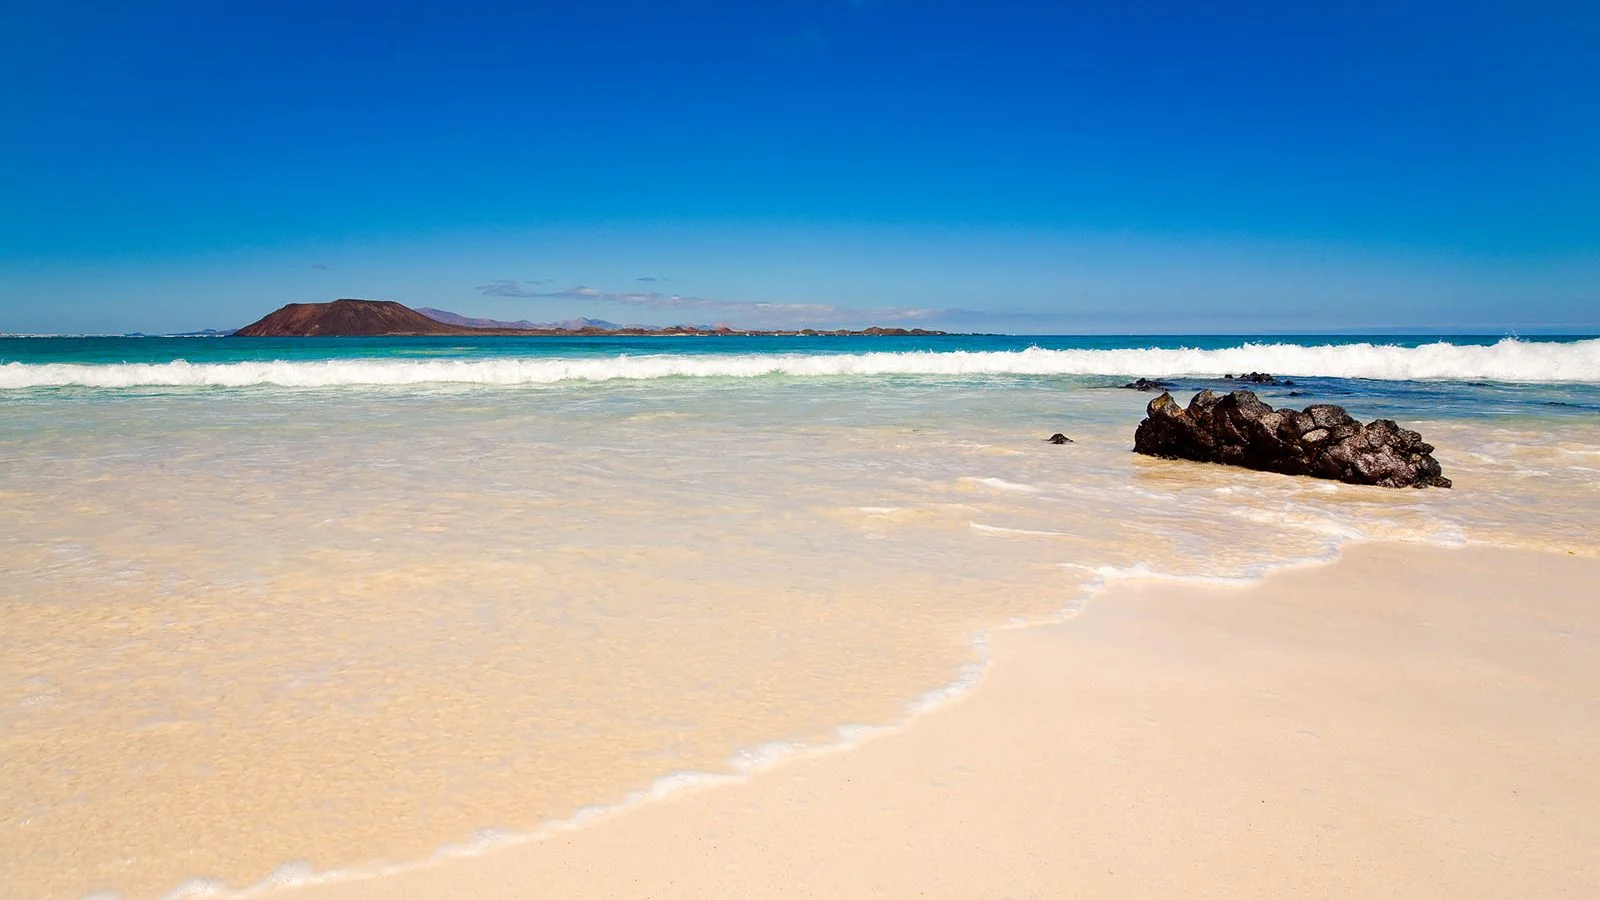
(508, 288)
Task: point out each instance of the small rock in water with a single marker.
(1059, 438)
(1254, 378)
(1147, 384)
(1321, 440)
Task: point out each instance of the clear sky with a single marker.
(1030, 167)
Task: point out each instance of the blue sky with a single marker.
(1024, 167)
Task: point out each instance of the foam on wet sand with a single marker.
(1407, 721)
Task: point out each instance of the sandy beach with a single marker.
(262, 634)
(1408, 721)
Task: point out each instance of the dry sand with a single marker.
(1406, 722)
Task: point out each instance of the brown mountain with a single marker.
(349, 318)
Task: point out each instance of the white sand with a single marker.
(1407, 722)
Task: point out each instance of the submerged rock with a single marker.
(1059, 438)
(1147, 384)
(1322, 440)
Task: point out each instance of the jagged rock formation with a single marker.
(1058, 438)
(1324, 441)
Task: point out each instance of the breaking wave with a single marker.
(1510, 360)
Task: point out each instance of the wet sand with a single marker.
(1408, 721)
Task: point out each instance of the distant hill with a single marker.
(381, 318)
(348, 318)
(450, 318)
(583, 322)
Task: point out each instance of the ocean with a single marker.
(281, 610)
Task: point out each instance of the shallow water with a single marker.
(255, 626)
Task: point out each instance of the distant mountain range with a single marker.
(450, 318)
(379, 318)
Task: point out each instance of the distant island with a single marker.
(386, 318)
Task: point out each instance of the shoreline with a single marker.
(867, 808)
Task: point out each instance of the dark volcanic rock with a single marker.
(1255, 378)
(1147, 384)
(1321, 440)
(1059, 438)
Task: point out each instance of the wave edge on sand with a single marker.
(748, 763)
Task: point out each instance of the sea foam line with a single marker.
(746, 763)
(1509, 360)
(741, 766)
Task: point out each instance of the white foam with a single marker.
(999, 529)
(1000, 484)
(1509, 360)
(1249, 575)
(741, 765)
(763, 756)
(1142, 572)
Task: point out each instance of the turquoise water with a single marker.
(102, 350)
(1381, 375)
